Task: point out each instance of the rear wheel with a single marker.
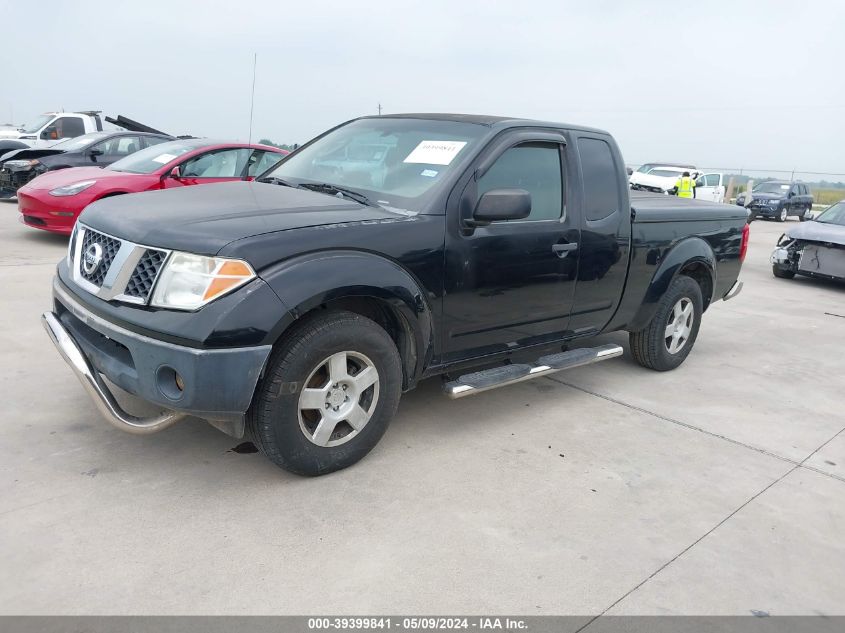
(328, 395)
(668, 339)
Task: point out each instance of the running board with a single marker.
(470, 384)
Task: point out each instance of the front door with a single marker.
(511, 283)
(709, 187)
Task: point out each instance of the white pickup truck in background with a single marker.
(52, 127)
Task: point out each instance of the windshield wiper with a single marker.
(278, 181)
(330, 189)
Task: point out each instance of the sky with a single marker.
(735, 85)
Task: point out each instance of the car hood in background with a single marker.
(765, 196)
(818, 232)
(203, 219)
(31, 152)
(62, 177)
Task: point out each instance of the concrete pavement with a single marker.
(718, 488)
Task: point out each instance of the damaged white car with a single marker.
(814, 249)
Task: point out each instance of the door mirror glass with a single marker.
(498, 205)
(176, 172)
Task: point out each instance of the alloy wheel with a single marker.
(679, 328)
(339, 398)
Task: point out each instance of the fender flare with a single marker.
(305, 282)
(693, 250)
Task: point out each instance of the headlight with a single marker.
(20, 165)
(190, 281)
(774, 203)
(72, 190)
(71, 245)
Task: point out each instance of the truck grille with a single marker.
(144, 276)
(108, 247)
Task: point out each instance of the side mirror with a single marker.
(175, 172)
(49, 133)
(95, 152)
(791, 194)
(498, 205)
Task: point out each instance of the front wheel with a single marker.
(782, 273)
(668, 338)
(781, 217)
(328, 394)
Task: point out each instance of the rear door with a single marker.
(511, 283)
(605, 215)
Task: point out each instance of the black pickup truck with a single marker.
(296, 309)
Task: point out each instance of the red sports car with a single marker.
(55, 199)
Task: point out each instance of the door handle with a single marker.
(563, 249)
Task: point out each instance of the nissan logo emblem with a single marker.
(91, 258)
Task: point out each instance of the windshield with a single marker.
(79, 142)
(833, 215)
(394, 162)
(36, 125)
(153, 158)
(771, 187)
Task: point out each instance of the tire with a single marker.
(323, 356)
(782, 215)
(780, 273)
(650, 346)
(803, 216)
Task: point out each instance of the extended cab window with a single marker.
(601, 186)
(534, 167)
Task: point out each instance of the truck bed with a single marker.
(653, 207)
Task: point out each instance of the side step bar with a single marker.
(471, 384)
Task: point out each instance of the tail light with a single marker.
(743, 247)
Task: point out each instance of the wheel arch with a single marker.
(692, 257)
(364, 283)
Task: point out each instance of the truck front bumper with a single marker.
(215, 384)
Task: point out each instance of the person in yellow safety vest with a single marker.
(685, 186)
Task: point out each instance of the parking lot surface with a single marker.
(718, 488)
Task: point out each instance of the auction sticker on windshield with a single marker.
(435, 152)
(164, 158)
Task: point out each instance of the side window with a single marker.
(119, 146)
(149, 141)
(601, 186)
(261, 161)
(534, 167)
(69, 127)
(223, 163)
(711, 180)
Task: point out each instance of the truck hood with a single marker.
(10, 134)
(203, 219)
(818, 232)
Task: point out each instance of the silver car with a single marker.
(815, 248)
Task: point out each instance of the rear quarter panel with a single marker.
(667, 234)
